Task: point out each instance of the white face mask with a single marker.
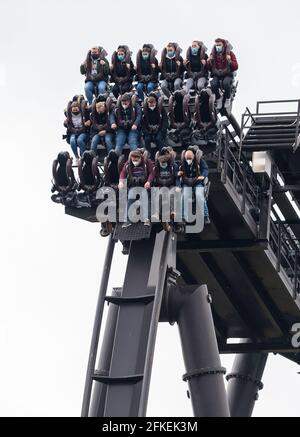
(189, 161)
(136, 163)
(125, 106)
(164, 165)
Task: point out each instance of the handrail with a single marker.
(297, 139)
(268, 102)
(237, 169)
(255, 116)
(286, 250)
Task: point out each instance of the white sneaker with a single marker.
(147, 222)
(227, 103)
(155, 217)
(220, 103)
(126, 225)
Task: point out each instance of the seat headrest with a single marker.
(112, 156)
(205, 93)
(88, 156)
(63, 157)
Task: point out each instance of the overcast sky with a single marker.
(51, 263)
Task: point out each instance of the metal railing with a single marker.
(248, 115)
(237, 169)
(234, 165)
(286, 248)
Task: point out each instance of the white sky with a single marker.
(51, 263)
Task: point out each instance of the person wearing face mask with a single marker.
(122, 71)
(78, 125)
(101, 131)
(193, 172)
(154, 123)
(171, 68)
(166, 175)
(126, 119)
(137, 172)
(96, 70)
(222, 63)
(146, 70)
(195, 63)
(166, 169)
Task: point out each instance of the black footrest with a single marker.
(110, 380)
(130, 300)
(136, 231)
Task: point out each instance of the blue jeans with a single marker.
(132, 137)
(147, 87)
(89, 89)
(108, 142)
(199, 194)
(78, 141)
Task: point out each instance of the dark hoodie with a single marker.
(143, 171)
(102, 70)
(218, 62)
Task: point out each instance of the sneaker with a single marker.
(155, 217)
(126, 225)
(125, 249)
(104, 232)
(147, 222)
(206, 220)
(227, 103)
(167, 227)
(220, 103)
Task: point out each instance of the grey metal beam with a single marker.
(99, 389)
(244, 382)
(270, 305)
(233, 295)
(188, 277)
(221, 245)
(190, 308)
(132, 353)
(252, 348)
(97, 327)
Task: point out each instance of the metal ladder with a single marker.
(122, 387)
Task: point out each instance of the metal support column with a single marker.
(244, 382)
(190, 307)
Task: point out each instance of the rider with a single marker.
(137, 172)
(146, 70)
(172, 69)
(222, 63)
(126, 120)
(155, 123)
(196, 65)
(100, 128)
(96, 70)
(166, 175)
(122, 71)
(193, 172)
(78, 124)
